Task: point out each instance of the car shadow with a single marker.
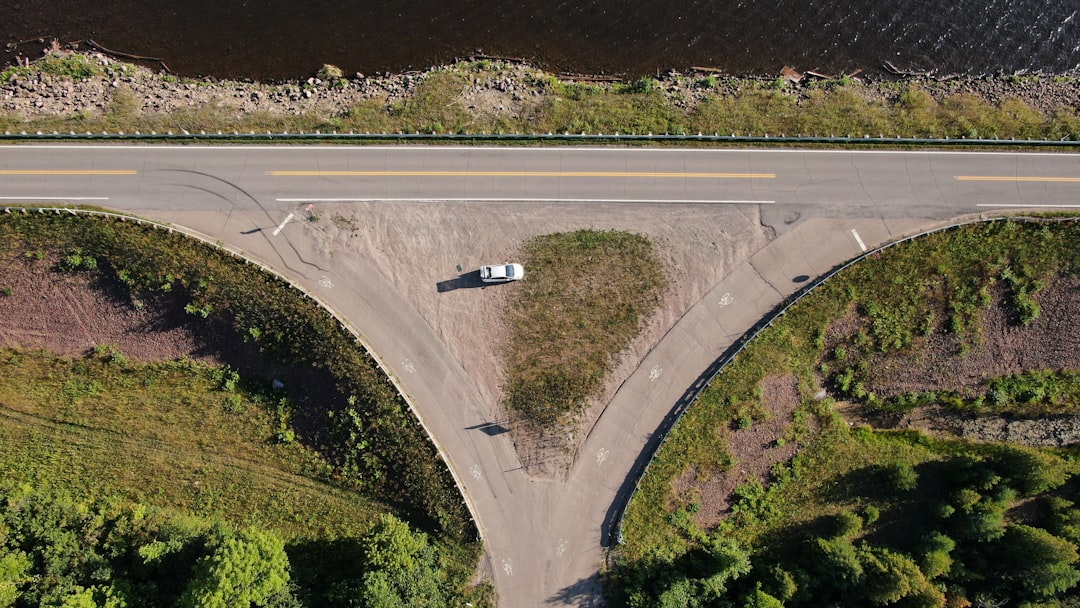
(489, 428)
(469, 280)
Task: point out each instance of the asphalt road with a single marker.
(544, 539)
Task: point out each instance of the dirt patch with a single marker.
(1051, 342)
(72, 313)
(940, 363)
(755, 450)
(1050, 432)
(429, 252)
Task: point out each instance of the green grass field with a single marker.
(166, 434)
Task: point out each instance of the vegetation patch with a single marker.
(584, 299)
(862, 516)
(56, 550)
(101, 424)
(482, 97)
(318, 471)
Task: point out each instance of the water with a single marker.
(286, 39)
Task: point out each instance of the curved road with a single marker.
(544, 539)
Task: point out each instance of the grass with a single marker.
(838, 107)
(374, 444)
(166, 434)
(63, 65)
(583, 300)
(204, 440)
(943, 275)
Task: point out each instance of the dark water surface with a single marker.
(288, 39)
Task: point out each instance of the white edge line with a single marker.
(858, 239)
(613, 148)
(518, 200)
(1030, 206)
(54, 198)
(282, 224)
(418, 146)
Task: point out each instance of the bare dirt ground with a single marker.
(755, 450)
(430, 252)
(70, 314)
(1052, 341)
(937, 363)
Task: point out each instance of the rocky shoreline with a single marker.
(490, 88)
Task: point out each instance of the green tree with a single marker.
(1064, 519)
(14, 566)
(401, 568)
(682, 593)
(835, 563)
(726, 562)
(760, 599)
(246, 568)
(890, 577)
(1030, 471)
(1034, 564)
(936, 557)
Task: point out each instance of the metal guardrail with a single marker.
(337, 316)
(755, 331)
(352, 136)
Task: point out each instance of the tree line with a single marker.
(59, 551)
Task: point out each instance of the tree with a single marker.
(727, 562)
(1034, 562)
(891, 577)
(936, 559)
(14, 566)
(247, 568)
(760, 599)
(402, 569)
(835, 564)
(1028, 470)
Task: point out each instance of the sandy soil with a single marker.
(70, 314)
(430, 252)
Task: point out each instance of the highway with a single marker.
(545, 539)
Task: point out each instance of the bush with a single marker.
(329, 72)
(901, 476)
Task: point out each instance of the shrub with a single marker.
(901, 476)
(329, 72)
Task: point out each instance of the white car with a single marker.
(501, 273)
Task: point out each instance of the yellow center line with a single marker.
(1005, 178)
(65, 172)
(519, 174)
